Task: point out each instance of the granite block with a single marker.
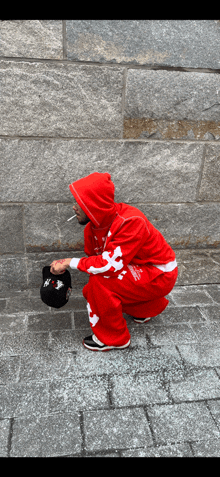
(172, 105)
(140, 389)
(197, 385)
(11, 229)
(31, 39)
(186, 43)
(141, 171)
(46, 436)
(115, 429)
(60, 99)
(182, 422)
(4, 436)
(210, 182)
(75, 393)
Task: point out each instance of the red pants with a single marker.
(138, 291)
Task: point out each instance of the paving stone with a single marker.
(206, 449)
(49, 366)
(4, 435)
(203, 354)
(214, 407)
(214, 292)
(18, 400)
(145, 42)
(202, 384)
(188, 314)
(13, 323)
(209, 332)
(61, 99)
(46, 436)
(116, 429)
(181, 422)
(179, 333)
(23, 343)
(9, 369)
(138, 389)
(32, 39)
(212, 313)
(186, 296)
(78, 394)
(178, 450)
(131, 360)
(48, 322)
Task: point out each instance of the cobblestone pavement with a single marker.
(158, 398)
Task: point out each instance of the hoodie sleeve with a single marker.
(118, 252)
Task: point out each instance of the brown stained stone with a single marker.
(164, 129)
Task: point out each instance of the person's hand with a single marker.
(57, 267)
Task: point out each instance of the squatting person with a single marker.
(131, 267)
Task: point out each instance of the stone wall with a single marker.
(139, 99)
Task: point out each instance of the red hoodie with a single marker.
(117, 234)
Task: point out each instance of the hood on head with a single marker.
(95, 195)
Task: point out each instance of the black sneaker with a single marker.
(92, 343)
(141, 320)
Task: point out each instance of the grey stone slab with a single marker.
(190, 296)
(61, 99)
(115, 429)
(174, 315)
(23, 304)
(21, 400)
(212, 313)
(134, 360)
(11, 229)
(178, 450)
(194, 270)
(46, 436)
(209, 332)
(4, 435)
(210, 183)
(214, 292)
(13, 344)
(204, 353)
(206, 449)
(9, 369)
(49, 322)
(13, 272)
(145, 42)
(129, 390)
(172, 105)
(31, 39)
(141, 171)
(214, 407)
(77, 393)
(81, 319)
(202, 384)
(182, 422)
(170, 334)
(47, 228)
(186, 225)
(12, 323)
(48, 366)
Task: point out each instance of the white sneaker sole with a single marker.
(141, 321)
(106, 347)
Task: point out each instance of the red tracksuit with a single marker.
(123, 252)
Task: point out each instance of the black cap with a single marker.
(54, 289)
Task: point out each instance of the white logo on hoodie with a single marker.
(111, 262)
